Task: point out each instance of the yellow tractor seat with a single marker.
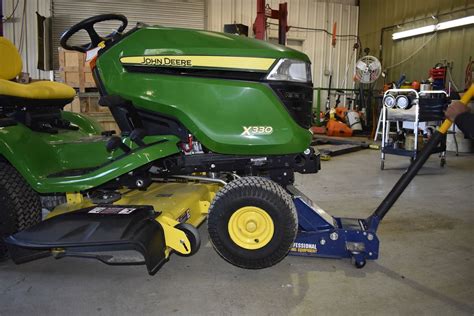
(38, 90)
(37, 93)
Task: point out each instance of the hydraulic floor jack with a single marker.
(323, 235)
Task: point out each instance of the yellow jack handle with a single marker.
(443, 129)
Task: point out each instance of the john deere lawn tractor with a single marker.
(211, 125)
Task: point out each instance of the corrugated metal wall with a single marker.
(26, 43)
(302, 13)
(182, 13)
(454, 45)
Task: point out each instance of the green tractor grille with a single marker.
(298, 100)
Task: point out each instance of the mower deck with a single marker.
(88, 231)
(149, 222)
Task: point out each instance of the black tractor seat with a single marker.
(39, 115)
(11, 102)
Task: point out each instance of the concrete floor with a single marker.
(425, 267)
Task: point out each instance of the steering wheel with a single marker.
(88, 26)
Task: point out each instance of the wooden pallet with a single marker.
(74, 70)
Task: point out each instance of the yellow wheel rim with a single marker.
(251, 227)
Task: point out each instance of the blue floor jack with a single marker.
(322, 235)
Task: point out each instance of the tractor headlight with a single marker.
(291, 70)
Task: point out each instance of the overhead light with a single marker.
(434, 27)
(455, 23)
(414, 32)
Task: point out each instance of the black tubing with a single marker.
(406, 178)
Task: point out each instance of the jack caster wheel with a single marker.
(252, 222)
(359, 263)
(442, 162)
(193, 236)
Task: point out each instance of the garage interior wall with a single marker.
(210, 14)
(454, 45)
(180, 13)
(26, 43)
(302, 13)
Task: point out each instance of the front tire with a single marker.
(20, 205)
(252, 222)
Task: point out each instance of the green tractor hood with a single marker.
(157, 40)
(212, 84)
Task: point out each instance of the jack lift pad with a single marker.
(86, 232)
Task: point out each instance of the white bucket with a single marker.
(353, 120)
(425, 87)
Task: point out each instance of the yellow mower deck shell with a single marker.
(186, 202)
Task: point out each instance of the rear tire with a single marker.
(20, 205)
(252, 222)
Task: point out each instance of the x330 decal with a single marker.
(256, 130)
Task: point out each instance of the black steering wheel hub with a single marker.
(88, 26)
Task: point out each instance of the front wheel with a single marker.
(252, 222)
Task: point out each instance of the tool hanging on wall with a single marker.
(333, 44)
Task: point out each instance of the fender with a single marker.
(44, 159)
(84, 122)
